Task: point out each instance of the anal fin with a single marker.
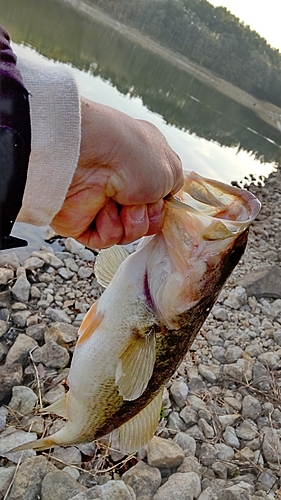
(139, 430)
(59, 407)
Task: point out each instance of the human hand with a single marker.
(126, 168)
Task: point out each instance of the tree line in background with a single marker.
(210, 36)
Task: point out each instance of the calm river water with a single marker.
(212, 134)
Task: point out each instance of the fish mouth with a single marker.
(227, 210)
(205, 230)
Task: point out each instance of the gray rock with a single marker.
(196, 385)
(247, 430)
(23, 400)
(179, 391)
(72, 471)
(277, 337)
(230, 437)
(10, 438)
(224, 452)
(117, 489)
(208, 372)
(19, 351)
(29, 477)
(196, 433)
(5, 275)
(143, 479)
(89, 494)
(70, 456)
(73, 246)
(266, 480)
(51, 355)
(6, 476)
(271, 445)
(65, 273)
(269, 359)
(228, 420)
(220, 469)
(87, 448)
(5, 299)
(253, 350)
(263, 283)
(190, 464)
(71, 264)
(9, 259)
(187, 443)
(58, 315)
(33, 263)
(21, 289)
(61, 333)
(206, 428)
(232, 371)
(87, 255)
(19, 318)
(261, 377)
(4, 326)
(182, 486)
(48, 258)
(84, 272)
(10, 375)
(196, 403)
(236, 298)
(36, 332)
(251, 407)
(53, 394)
(33, 423)
(208, 454)
(3, 352)
(189, 416)
(175, 423)
(219, 354)
(164, 453)
(235, 492)
(233, 353)
(220, 313)
(3, 417)
(208, 494)
(59, 485)
(276, 416)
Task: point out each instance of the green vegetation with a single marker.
(210, 36)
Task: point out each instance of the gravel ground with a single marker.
(219, 436)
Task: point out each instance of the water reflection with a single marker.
(146, 79)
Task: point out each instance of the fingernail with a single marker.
(155, 211)
(138, 213)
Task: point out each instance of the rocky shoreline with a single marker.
(219, 437)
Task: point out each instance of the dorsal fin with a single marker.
(136, 365)
(107, 263)
(139, 430)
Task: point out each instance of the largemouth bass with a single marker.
(134, 337)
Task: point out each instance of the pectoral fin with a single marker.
(136, 365)
(59, 407)
(139, 430)
(107, 263)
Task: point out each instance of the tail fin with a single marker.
(40, 444)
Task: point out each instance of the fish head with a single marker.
(203, 238)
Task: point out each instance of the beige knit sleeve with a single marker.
(55, 139)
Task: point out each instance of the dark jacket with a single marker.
(15, 141)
